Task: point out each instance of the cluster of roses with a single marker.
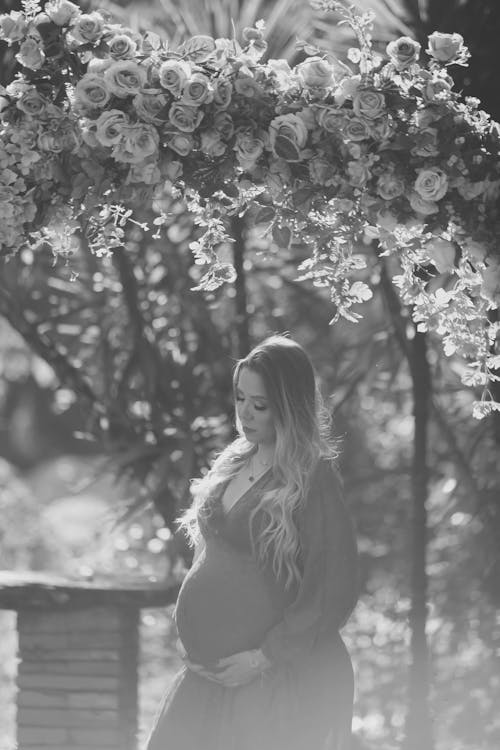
(385, 146)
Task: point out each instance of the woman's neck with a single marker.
(264, 454)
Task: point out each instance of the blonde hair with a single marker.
(303, 435)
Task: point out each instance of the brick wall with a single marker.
(77, 679)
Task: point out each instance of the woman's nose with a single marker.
(245, 410)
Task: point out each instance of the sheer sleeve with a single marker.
(328, 590)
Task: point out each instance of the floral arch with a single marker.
(381, 149)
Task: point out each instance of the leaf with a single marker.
(198, 48)
(286, 149)
(264, 215)
(282, 236)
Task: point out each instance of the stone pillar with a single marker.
(77, 679)
(78, 659)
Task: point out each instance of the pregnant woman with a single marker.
(273, 577)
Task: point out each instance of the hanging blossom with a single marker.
(101, 119)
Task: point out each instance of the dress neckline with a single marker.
(225, 513)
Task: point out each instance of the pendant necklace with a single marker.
(251, 476)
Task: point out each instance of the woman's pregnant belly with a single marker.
(224, 605)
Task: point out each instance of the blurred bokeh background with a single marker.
(115, 391)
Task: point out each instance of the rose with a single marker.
(173, 170)
(211, 144)
(122, 47)
(111, 126)
(88, 28)
(147, 173)
(124, 78)
(184, 117)
(315, 72)
(431, 184)
(320, 170)
(447, 48)
(389, 186)
(62, 136)
(368, 103)
(358, 173)
(442, 254)
(288, 135)
(88, 131)
(13, 27)
(421, 206)
(248, 148)
(435, 89)
(92, 91)
(181, 143)
(387, 220)
(470, 190)
(403, 52)
(61, 12)
(246, 86)
(151, 105)
(32, 103)
(426, 143)
(281, 71)
(355, 129)
(196, 90)
(140, 141)
(223, 124)
(173, 75)
(331, 119)
(346, 89)
(222, 93)
(31, 54)
(476, 250)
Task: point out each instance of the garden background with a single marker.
(79, 445)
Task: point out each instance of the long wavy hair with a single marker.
(303, 436)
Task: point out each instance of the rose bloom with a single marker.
(185, 118)
(426, 143)
(31, 54)
(403, 52)
(211, 144)
(181, 143)
(32, 103)
(147, 173)
(246, 86)
(368, 103)
(330, 119)
(470, 190)
(88, 130)
(355, 129)
(248, 148)
(315, 72)
(124, 78)
(222, 93)
(92, 91)
(346, 89)
(61, 137)
(421, 206)
(111, 127)
(292, 129)
(223, 124)
(358, 173)
(88, 28)
(151, 105)
(173, 75)
(446, 48)
(196, 90)
(436, 89)
(320, 170)
(281, 71)
(141, 140)
(13, 27)
(431, 184)
(61, 12)
(442, 254)
(172, 170)
(122, 47)
(389, 186)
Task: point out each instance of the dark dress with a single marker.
(228, 603)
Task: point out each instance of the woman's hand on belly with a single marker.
(235, 670)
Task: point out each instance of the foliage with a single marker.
(323, 152)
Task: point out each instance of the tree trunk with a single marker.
(241, 317)
(418, 724)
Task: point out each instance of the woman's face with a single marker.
(252, 408)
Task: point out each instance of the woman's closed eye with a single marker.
(258, 407)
